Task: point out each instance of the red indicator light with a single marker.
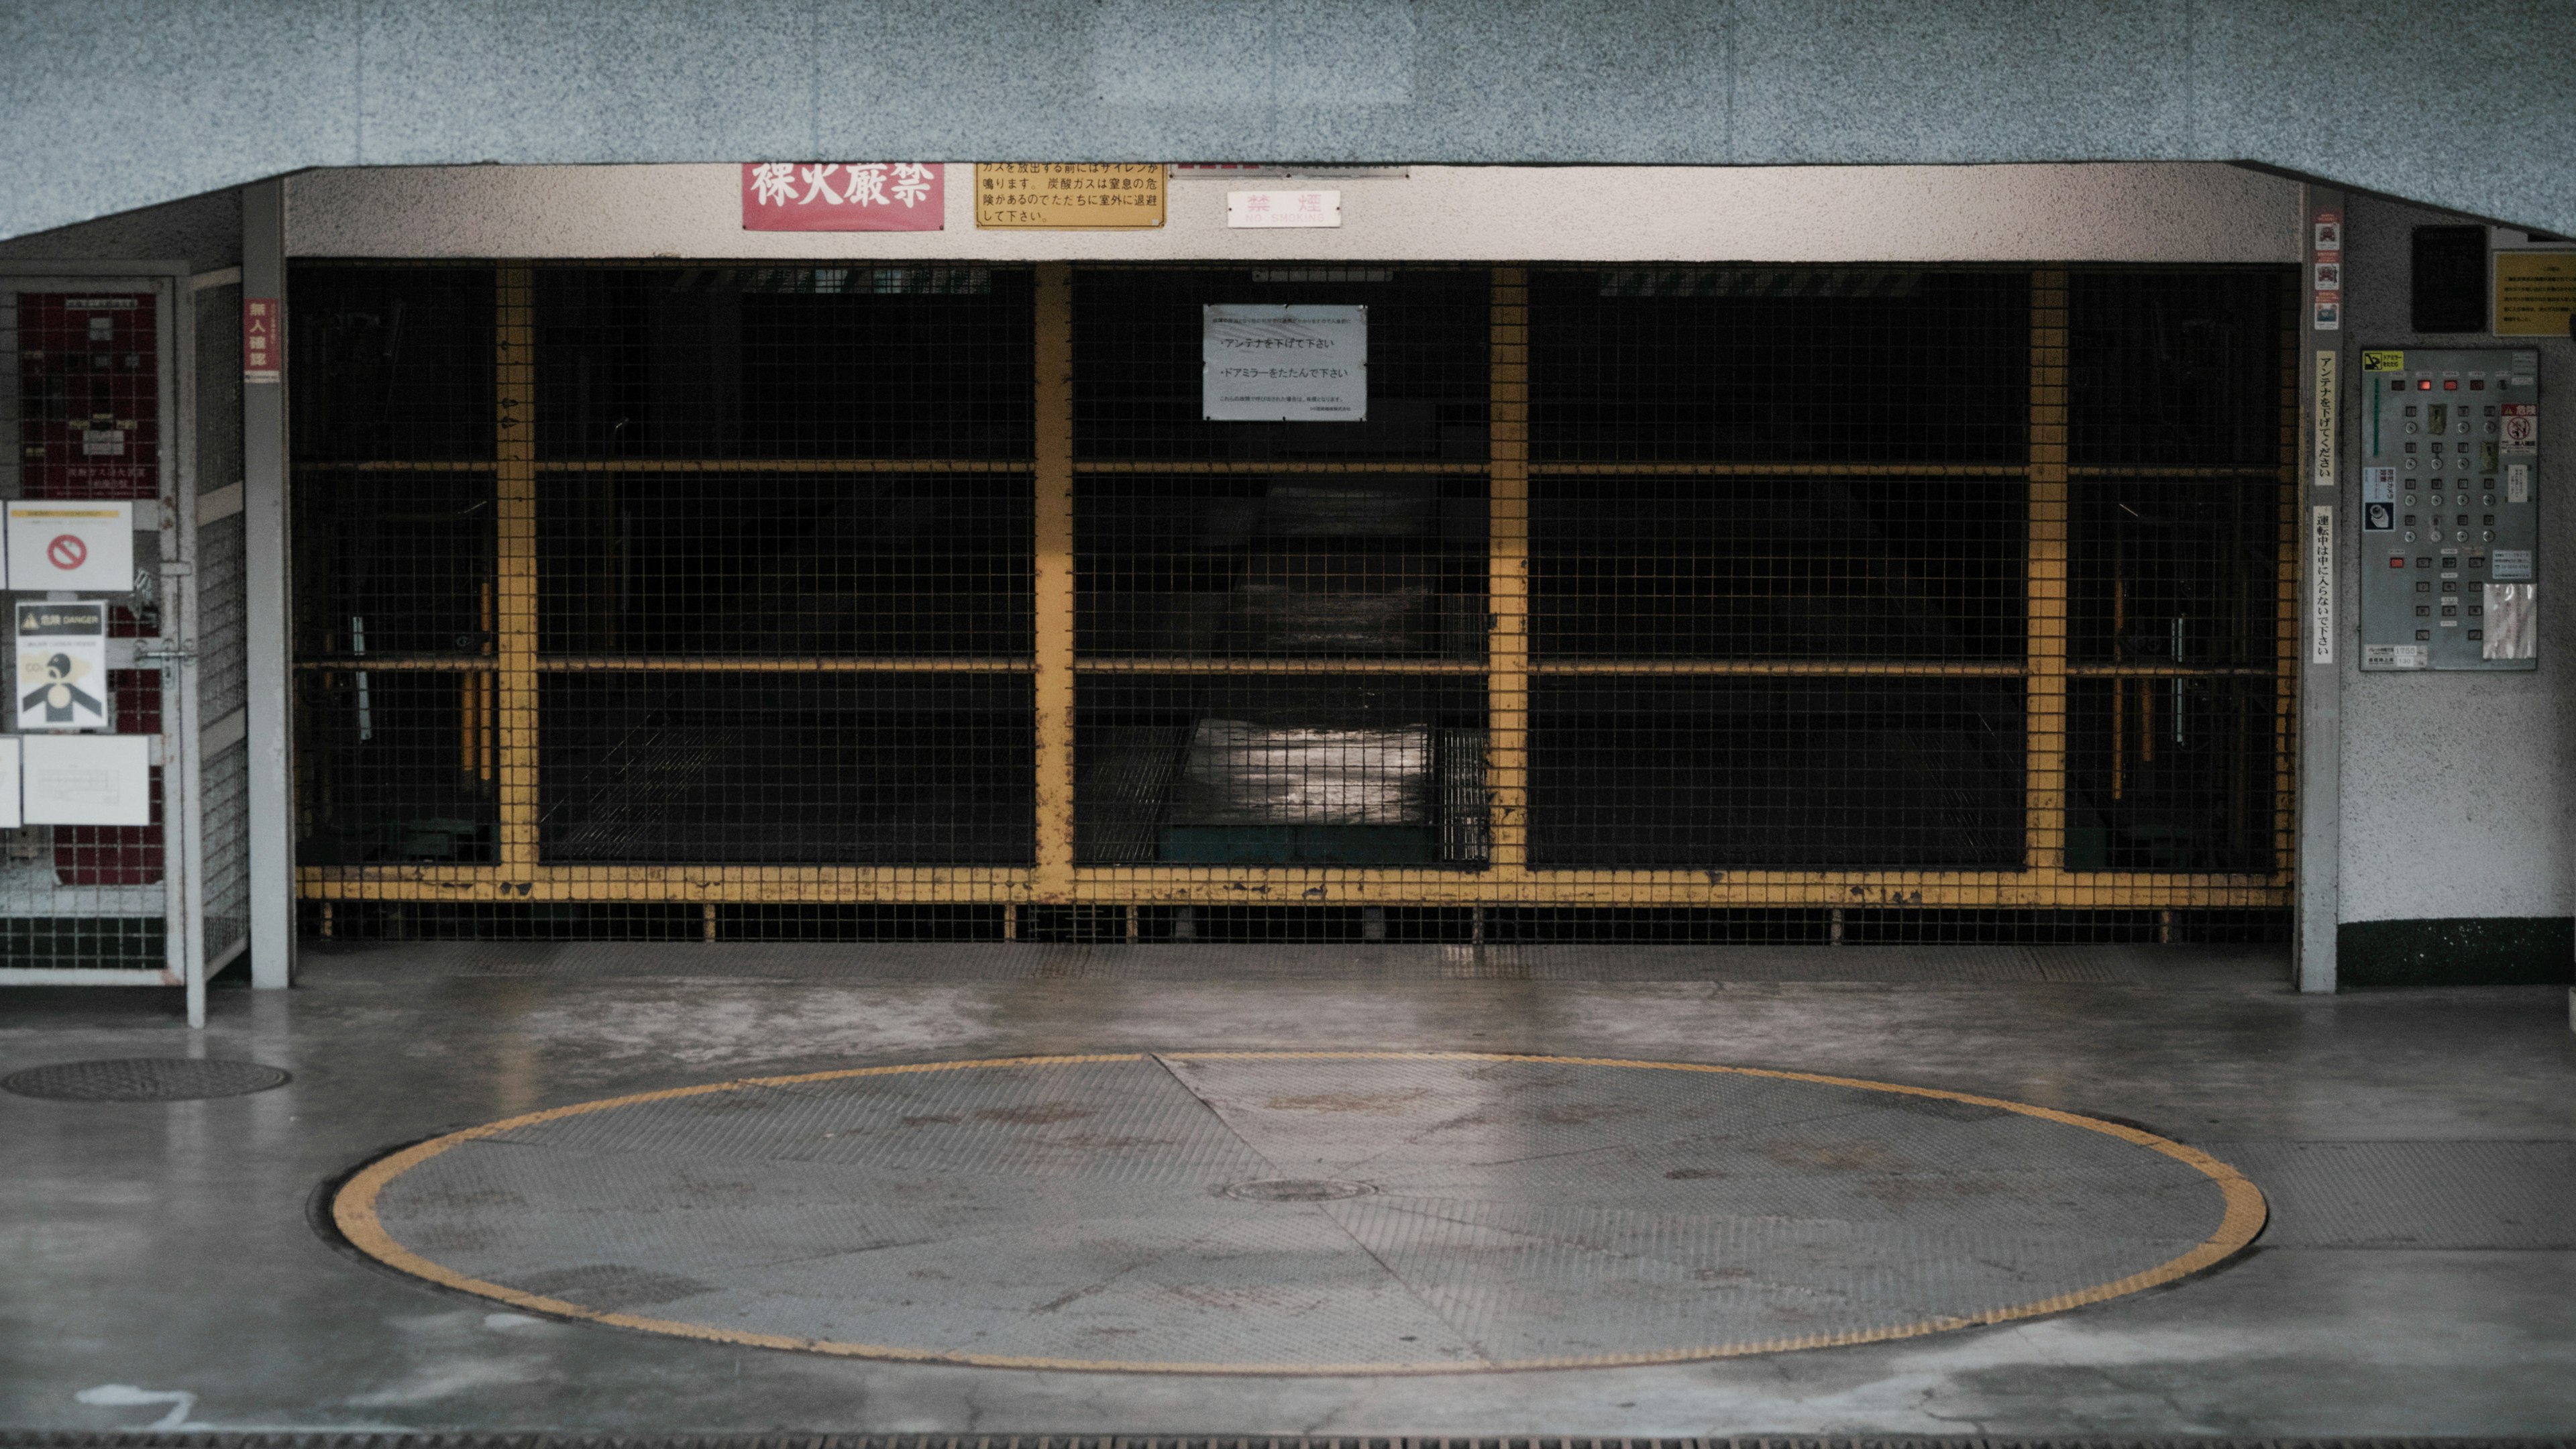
(2451, 384)
(2397, 563)
(2425, 386)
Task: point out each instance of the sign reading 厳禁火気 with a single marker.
(1069, 197)
(844, 196)
(1281, 362)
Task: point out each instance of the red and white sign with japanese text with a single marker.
(844, 196)
(263, 339)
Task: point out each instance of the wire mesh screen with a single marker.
(83, 390)
(224, 817)
(762, 571)
(1287, 565)
(2170, 369)
(1786, 364)
(391, 363)
(777, 767)
(1308, 769)
(1796, 772)
(783, 362)
(728, 562)
(1138, 360)
(2177, 572)
(1784, 567)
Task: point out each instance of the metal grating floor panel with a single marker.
(1298, 1212)
(2414, 1194)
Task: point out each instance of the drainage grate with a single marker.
(498, 1440)
(142, 1079)
(64, 1439)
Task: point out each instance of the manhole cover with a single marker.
(142, 1079)
(1294, 1189)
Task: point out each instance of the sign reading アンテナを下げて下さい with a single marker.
(844, 196)
(1279, 362)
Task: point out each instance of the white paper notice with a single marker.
(9, 783)
(71, 544)
(86, 779)
(1272, 362)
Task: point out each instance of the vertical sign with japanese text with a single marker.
(844, 196)
(2321, 541)
(2321, 421)
(263, 340)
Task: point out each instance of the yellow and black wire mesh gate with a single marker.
(1757, 602)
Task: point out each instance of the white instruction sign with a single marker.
(2321, 586)
(83, 544)
(2395, 656)
(1276, 362)
(2321, 425)
(86, 779)
(62, 667)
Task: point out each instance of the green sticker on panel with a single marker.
(2383, 362)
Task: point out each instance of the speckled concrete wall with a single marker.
(2456, 787)
(2155, 212)
(118, 104)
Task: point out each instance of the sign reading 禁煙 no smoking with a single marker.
(844, 196)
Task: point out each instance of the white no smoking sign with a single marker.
(79, 544)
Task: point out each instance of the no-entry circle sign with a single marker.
(65, 543)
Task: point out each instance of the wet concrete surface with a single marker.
(2419, 1276)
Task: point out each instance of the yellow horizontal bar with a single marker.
(786, 884)
(395, 465)
(772, 664)
(1188, 468)
(786, 465)
(2255, 471)
(1811, 668)
(401, 663)
(1288, 886)
(2001, 472)
(2167, 671)
(1277, 666)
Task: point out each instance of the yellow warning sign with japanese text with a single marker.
(2534, 293)
(1068, 197)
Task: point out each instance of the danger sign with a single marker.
(62, 668)
(84, 545)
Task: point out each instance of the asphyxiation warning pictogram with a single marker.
(62, 667)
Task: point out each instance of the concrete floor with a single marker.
(2418, 1276)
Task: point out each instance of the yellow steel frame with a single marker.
(501, 685)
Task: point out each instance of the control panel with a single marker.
(2450, 509)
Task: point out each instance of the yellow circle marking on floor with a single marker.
(353, 1210)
